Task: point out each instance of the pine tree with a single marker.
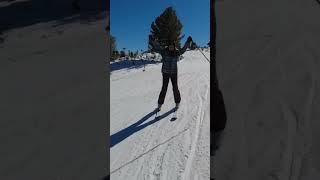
(136, 54)
(113, 44)
(113, 47)
(193, 46)
(117, 54)
(122, 54)
(166, 28)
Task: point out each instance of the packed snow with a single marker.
(52, 97)
(268, 70)
(143, 147)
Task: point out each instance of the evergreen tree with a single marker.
(193, 46)
(136, 54)
(117, 54)
(122, 54)
(113, 47)
(113, 44)
(166, 28)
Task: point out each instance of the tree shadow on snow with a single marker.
(130, 64)
(125, 133)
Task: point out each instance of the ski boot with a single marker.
(177, 106)
(159, 107)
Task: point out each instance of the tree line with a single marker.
(166, 28)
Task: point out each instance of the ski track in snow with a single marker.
(200, 116)
(161, 149)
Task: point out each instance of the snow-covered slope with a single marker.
(145, 148)
(268, 69)
(52, 102)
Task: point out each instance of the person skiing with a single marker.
(170, 56)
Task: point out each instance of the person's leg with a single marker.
(162, 95)
(176, 92)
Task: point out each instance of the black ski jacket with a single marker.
(170, 59)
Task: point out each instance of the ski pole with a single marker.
(204, 55)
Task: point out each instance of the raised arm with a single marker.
(186, 45)
(155, 45)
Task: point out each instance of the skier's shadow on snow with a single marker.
(123, 134)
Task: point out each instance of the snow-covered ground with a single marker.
(4, 3)
(52, 109)
(145, 148)
(268, 69)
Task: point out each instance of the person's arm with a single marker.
(186, 45)
(155, 45)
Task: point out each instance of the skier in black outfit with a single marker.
(170, 56)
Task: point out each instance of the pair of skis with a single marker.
(173, 116)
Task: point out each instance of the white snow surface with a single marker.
(145, 148)
(52, 102)
(268, 70)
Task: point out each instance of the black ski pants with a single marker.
(165, 82)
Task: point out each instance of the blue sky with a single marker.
(130, 20)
